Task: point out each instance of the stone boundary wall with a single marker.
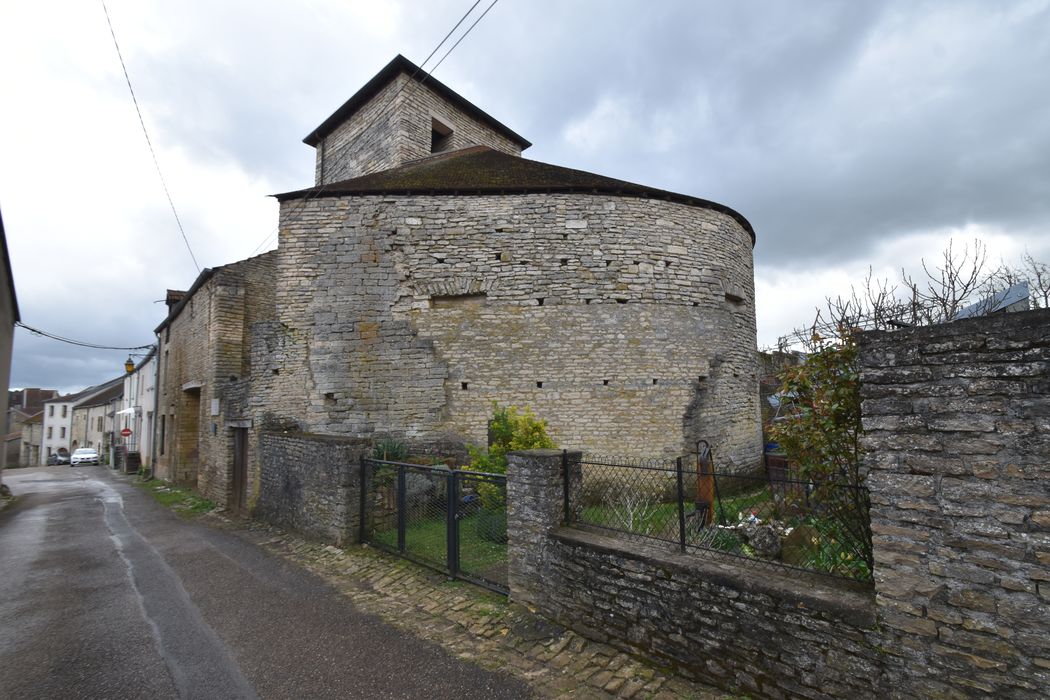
(749, 630)
(957, 441)
(311, 484)
(957, 435)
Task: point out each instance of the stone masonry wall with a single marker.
(311, 483)
(749, 630)
(957, 435)
(390, 131)
(956, 420)
(182, 352)
(205, 351)
(627, 323)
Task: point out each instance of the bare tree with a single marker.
(1038, 276)
(947, 287)
(1032, 272)
(958, 280)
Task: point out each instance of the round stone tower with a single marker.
(415, 295)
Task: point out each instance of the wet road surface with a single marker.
(106, 594)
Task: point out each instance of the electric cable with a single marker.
(462, 37)
(149, 142)
(53, 336)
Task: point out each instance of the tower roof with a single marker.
(483, 170)
(399, 65)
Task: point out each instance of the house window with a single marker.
(61, 433)
(49, 437)
(50, 411)
(65, 410)
(440, 136)
(162, 426)
(100, 424)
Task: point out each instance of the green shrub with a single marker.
(509, 430)
(390, 450)
(821, 434)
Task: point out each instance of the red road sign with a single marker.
(126, 432)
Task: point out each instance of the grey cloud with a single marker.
(826, 156)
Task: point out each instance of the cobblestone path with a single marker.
(476, 625)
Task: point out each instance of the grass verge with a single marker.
(426, 538)
(179, 498)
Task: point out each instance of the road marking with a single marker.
(200, 663)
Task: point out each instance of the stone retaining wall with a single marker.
(748, 629)
(311, 483)
(957, 433)
(957, 421)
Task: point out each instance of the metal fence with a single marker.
(776, 519)
(454, 521)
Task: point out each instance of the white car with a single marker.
(83, 455)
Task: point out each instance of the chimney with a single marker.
(173, 297)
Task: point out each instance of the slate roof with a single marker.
(89, 392)
(483, 170)
(113, 392)
(999, 301)
(205, 275)
(390, 71)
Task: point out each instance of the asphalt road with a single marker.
(106, 594)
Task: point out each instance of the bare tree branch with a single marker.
(959, 279)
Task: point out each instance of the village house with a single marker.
(432, 271)
(32, 438)
(136, 414)
(203, 346)
(8, 318)
(58, 420)
(22, 405)
(93, 420)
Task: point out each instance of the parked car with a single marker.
(58, 458)
(83, 455)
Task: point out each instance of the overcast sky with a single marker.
(849, 133)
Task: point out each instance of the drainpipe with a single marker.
(156, 405)
(321, 173)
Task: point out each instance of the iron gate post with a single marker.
(681, 503)
(401, 508)
(452, 523)
(565, 484)
(363, 505)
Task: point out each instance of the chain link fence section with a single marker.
(777, 520)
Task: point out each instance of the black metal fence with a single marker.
(451, 520)
(774, 519)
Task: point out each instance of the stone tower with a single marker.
(400, 116)
(431, 271)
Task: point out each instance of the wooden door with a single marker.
(240, 469)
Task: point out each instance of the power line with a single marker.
(52, 336)
(293, 214)
(464, 36)
(368, 127)
(149, 142)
